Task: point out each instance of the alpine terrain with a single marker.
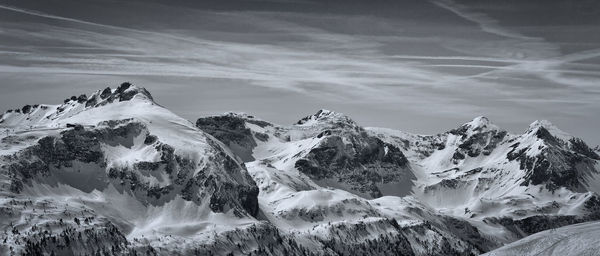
(115, 173)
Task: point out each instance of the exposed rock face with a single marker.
(363, 163)
(325, 122)
(231, 130)
(579, 146)
(328, 117)
(105, 93)
(126, 91)
(348, 158)
(227, 193)
(477, 137)
(554, 162)
(82, 98)
(26, 109)
(78, 154)
(52, 153)
(481, 143)
(34, 113)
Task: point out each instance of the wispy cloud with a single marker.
(477, 70)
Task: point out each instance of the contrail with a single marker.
(50, 16)
(486, 23)
(466, 58)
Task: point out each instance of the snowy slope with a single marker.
(575, 240)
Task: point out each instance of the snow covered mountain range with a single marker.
(115, 173)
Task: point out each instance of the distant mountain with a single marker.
(480, 171)
(115, 173)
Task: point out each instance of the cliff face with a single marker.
(358, 162)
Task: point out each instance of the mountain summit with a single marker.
(39, 114)
(325, 116)
(479, 124)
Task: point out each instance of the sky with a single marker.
(418, 66)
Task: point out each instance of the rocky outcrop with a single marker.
(349, 158)
(364, 165)
(124, 92)
(478, 137)
(231, 130)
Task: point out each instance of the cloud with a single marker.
(134, 52)
(478, 68)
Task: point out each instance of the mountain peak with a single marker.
(479, 124)
(326, 116)
(542, 123)
(542, 126)
(324, 120)
(321, 114)
(242, 115)
(124, 92)
(127, 88)
(480, 121)
(37, 114)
